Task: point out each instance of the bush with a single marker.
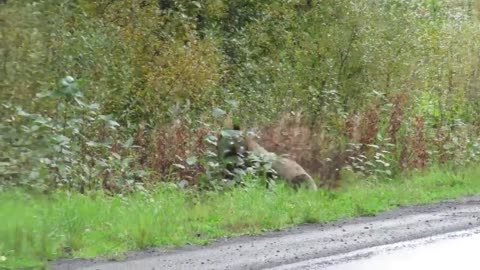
(383, 86)
(76, 148)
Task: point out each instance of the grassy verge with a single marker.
(36, 228)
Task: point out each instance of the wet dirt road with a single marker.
(341, 245)
(456, 250)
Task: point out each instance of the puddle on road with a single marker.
(459, 252)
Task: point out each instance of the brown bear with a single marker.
(286, 168)
(234, 146)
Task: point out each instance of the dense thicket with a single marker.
(382, 85)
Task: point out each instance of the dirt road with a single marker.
(322, 244)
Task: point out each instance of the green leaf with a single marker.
(129, 142)
(113, 124)
(126, 162)
(180, 166)
(80, 102)
(21, 112)
(62, 139)
(211, 139)
(217, 112)
(94, 106)
(233, 103)
(229, 133)
(191, 160)
(41, 120)
(44, 94)
(68, 80)
(91, 143)
(197, 4)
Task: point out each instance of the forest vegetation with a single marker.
(123, 100)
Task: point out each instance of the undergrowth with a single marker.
(37, 228)
(376, 87)
(125, 147)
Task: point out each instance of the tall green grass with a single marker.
(37, 228)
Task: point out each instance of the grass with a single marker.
(37, 228)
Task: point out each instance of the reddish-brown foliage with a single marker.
(414, 154)
(352, 128)
(442, 137)
(420, 144)
(174, 144)
(369, 125)
(314, 149)
(396, 116)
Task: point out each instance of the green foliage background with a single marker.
(156, 61)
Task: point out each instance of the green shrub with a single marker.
(76, 148)
(392, 78)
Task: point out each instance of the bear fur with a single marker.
(234, 146)
(286, 168)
